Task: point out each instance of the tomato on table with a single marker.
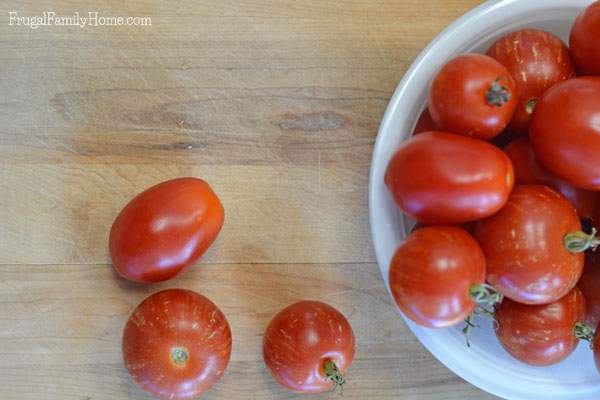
(176, 344)
(584, 44)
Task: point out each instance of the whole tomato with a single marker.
(425, 123)
(540, 334)
(583, 40)
(165, 229)
(527, 259)
(590, 286)
(536, 60)
(176, 344)
(528, 170)
(473, 95)
(433, 274)
(565, 131)
(442, 178)
(308, 346)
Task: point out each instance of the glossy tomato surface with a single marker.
(442, 178)
(590, 286)
(536, 60)
(523, 245)
(528, 170)
(584, 43)
(299, 342)
(432, 272)
(165, 229)
(473, 95)
(565, 131)
(540, 334)
(176, 344)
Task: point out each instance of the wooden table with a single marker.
(276, 103)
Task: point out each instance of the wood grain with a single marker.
(277, 104)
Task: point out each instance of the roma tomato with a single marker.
(540, 334)
(536, 60)
(165, 229)
(583, 40)
(441, 178)
(176, 344)
(433, 274)
(565, 131)
(527, 259)
(308, 346)
(590, 286)
(425, 123)
(473, 95)
(528, 170)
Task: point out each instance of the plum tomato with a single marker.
(583, 41)
(590, 286)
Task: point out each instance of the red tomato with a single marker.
(308, 346)
(176, 344)
(473, 95)
(590, 286)
(583, 41)
(565, 131)
(441, 178)
(540, 334)
(425, 123)
(432, 273)
(523, 245)
(536, 60)
(165, 229)
(528, 170)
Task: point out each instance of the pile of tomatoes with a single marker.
(503, 176)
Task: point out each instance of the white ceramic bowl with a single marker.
(485, 364)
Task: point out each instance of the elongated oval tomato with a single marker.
(473, 95)
(536, 60)
(441, 178)
(176, 344)
(583, 40)
(165, 229)
(523, 245)
(308, 346)
(540, 334)
(565, 131)
(432, 273)
(590, 286)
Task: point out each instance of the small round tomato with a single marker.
(527, 260)
(540, 334)
(308, 347)
(528, 170)
(583, 40)
(536, 60)
(176, 344)
(432, 275)
(590, 286)
(425, 123)
(473, 95)
(441, 178)
(165, 229)
(565, 131)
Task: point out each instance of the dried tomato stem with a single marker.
(578, 242)
(584, 332)
(530, 105)
(498, 95)
(335, 375)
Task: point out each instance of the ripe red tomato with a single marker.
(583, 41)
(528, 170)
(165, 229)
(308, 346)
(565, 131)
(432, 273)
(441, 178)
(523, 245)
(425, 123)
(176, 344)
(536, 60)
(540, 334)
(473, 95)
(590, 286)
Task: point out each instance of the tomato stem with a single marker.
(335, 375)
(498, 95)
(468, 329)
(530, 105)
(483, 293)
(584, 332)
(578, 242)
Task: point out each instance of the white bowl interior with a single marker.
(485, 364)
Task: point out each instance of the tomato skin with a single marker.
(458, 97)
(425, 123)
(528, 170)
(442, 178)
(583, 40)
(565, 132)
(432, 272)
(536, 60)
(300, 339)
(165, 229)
(540, 334)
(523, 245)
(590, 287)
(176, 319)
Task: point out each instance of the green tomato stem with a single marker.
(334, 374)
(578, 242)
